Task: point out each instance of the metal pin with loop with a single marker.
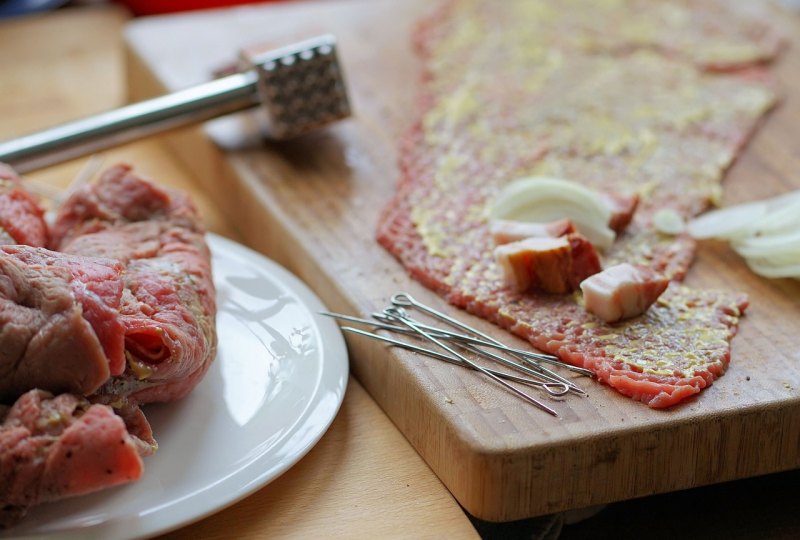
(548, 387)
(551, 385)
(406, 300)
(471, 341)
(393, 312)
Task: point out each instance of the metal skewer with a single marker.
(406, 300)
(445, 334)
(440, 356)
(464, 341)
(569, 387)
(403, 300)
(300, 86)
(432, 339)
(472, 341)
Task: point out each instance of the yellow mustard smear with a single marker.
(139, 368)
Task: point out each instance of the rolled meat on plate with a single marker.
(117, 311)
(168, 304)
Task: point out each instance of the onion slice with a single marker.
(668, 221)
(769, 245)
(766, 233)
(542, 199)
(727, 223)
(764, 268)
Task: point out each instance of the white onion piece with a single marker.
(793, 197)
(765, 246)
(766, 233)
(668, 221)
(778, 220)
(542, 199)
(780, 261)
(532, 189)
(727, 223)
(779, 258)
(763, 268)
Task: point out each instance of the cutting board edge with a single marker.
(567, 475)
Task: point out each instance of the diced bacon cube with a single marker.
(554, 265)
(536, 263)
(585, 261)
(622, 291)
(622, 209)
(506, 231)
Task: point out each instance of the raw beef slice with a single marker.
(56, 447)
(658, 107)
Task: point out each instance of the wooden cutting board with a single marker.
(312, 205)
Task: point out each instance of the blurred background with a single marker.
(15, 8)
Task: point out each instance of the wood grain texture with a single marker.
(41, 86)
(312, 204)
(359, 481)
(362, 480)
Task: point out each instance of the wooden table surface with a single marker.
(363, 479)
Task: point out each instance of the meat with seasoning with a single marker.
(59, 322)
(119, 311)
(168, 304)
(660, 113)
(53, 447)
(21, 216)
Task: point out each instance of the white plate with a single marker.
(275, 387)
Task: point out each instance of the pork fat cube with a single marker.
(622, 209)
(536, 263)
(506, 231)
(554, 265)
(585, 261)
(622, 291)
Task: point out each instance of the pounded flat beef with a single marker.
(56, 447)
(21, 216)
(168, 303)
(59, 326)
(624, 97)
